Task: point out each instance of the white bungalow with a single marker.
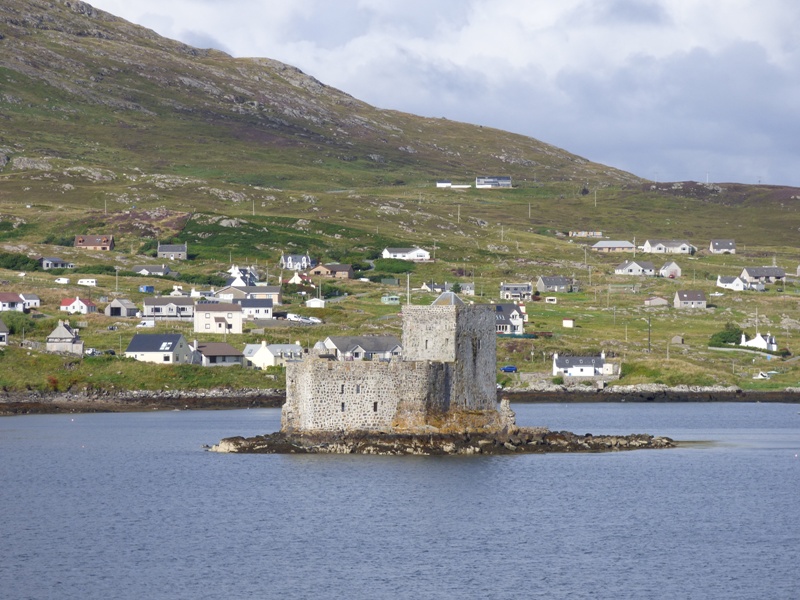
(668, 247)
(263, 355)
(77, 305)
(581, 366)
(768, 342)
(412, 254)
(736, 284)
(635, 267)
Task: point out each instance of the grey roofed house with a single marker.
(64, 339)
(722, 247)
(121, 307)
(613, 246)
(689, 299)
(555, 283)
(509, 319)
(567, 363)
(359, 347)
(254, 308)
(51, 262)
(636, 267)
(173, 251)
(169, 307)
(516, 291)
(762, 274)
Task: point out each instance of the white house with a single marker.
(363, 347)
(169, 307)
(613, 246)
(263, 355)
(670, 270)
(736, 284)
(510, 319)
(635, 267)
(4, 331)
(160, 348)
(296, 262)
(768, 342)
(76, 305)
(255, 308)
(412, 254)
(218, 317)
(516, 291)
(151, 270)
(315, 303)
(668, 247)
(581, 366)
(11, 302)
(722, 247)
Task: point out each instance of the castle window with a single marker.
(374, 407)
(342, 392)
(479, 344)
(426, 344)
(342, 406)
(358, 388)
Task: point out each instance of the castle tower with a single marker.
(448, 331)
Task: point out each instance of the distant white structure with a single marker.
(494, 182)
(768, 342)
(412, 254)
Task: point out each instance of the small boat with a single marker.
(761, 375)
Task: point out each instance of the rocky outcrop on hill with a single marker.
(513, 441)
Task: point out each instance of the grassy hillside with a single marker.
(105, 127)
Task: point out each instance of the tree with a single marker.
(456, 289)
(731, 334)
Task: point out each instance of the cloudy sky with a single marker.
(670, 90)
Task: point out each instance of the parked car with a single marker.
(314, 320)
(509, 369)
(62, 280)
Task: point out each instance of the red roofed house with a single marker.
(75, 305)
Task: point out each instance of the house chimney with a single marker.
(194, 347)
(263, 343)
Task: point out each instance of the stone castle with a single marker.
(447, 372)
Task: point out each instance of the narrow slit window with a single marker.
(342, 392)
(374, 407)
(342, 406)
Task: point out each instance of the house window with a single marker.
(208, 325)
(166, 358)
(208, 315)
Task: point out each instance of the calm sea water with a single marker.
(122, 506)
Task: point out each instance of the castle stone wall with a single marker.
(324, 395)
(449, 362)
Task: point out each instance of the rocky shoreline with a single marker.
(27, 403)
(517, 441)
(36, 402)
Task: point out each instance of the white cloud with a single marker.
(650, 86)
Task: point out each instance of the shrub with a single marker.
(731, 334)
(558, 380)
